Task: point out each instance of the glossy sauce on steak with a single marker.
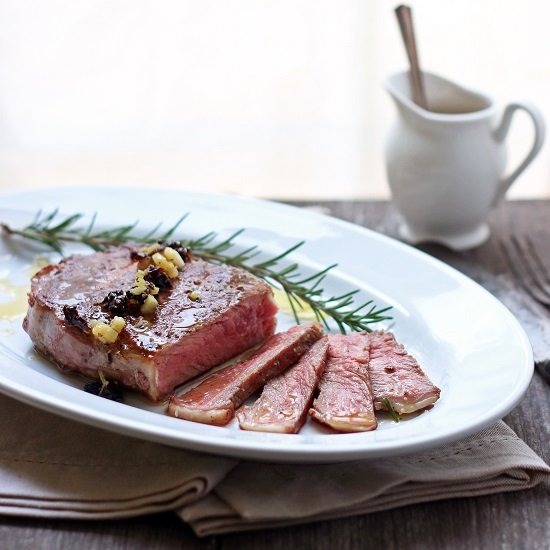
(184, 337)
(345, 399)
(216, 398)
(285, 400)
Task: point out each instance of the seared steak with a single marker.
(345, 397)
(285, 400)
(396, 376)
(211, 314)
(215, 399)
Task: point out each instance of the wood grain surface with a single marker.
(508, 521)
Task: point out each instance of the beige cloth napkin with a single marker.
(52, 467)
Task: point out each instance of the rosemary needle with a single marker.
(391, 410)
(53, 231)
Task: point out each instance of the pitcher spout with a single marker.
(447, 101)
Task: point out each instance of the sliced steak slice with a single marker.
(285, 400)
(345, 397)
(396, 376)
(231, 311)
(215, 399)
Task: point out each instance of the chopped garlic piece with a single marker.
(137, 290)
(173, 256)
(104, 333)
(118, 323)
(140, 278)
(195, 296)
(155, 247)
(170, 269)
(149, 305)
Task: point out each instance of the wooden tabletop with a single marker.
(511, 520)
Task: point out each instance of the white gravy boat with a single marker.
(446, 166)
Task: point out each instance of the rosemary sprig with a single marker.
(49, 230)
(391, 410)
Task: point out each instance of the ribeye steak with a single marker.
(229, 311)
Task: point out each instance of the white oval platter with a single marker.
(468, 343)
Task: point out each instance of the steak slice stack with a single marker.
(211, 314)
(345, 396)
(285, 400)
(216, 398)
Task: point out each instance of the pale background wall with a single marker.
(277, 98)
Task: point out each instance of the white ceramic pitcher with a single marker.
(446, 166)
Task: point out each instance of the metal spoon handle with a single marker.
(404, 17)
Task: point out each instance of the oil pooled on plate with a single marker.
(13, 296)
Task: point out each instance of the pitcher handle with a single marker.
(502, 131)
